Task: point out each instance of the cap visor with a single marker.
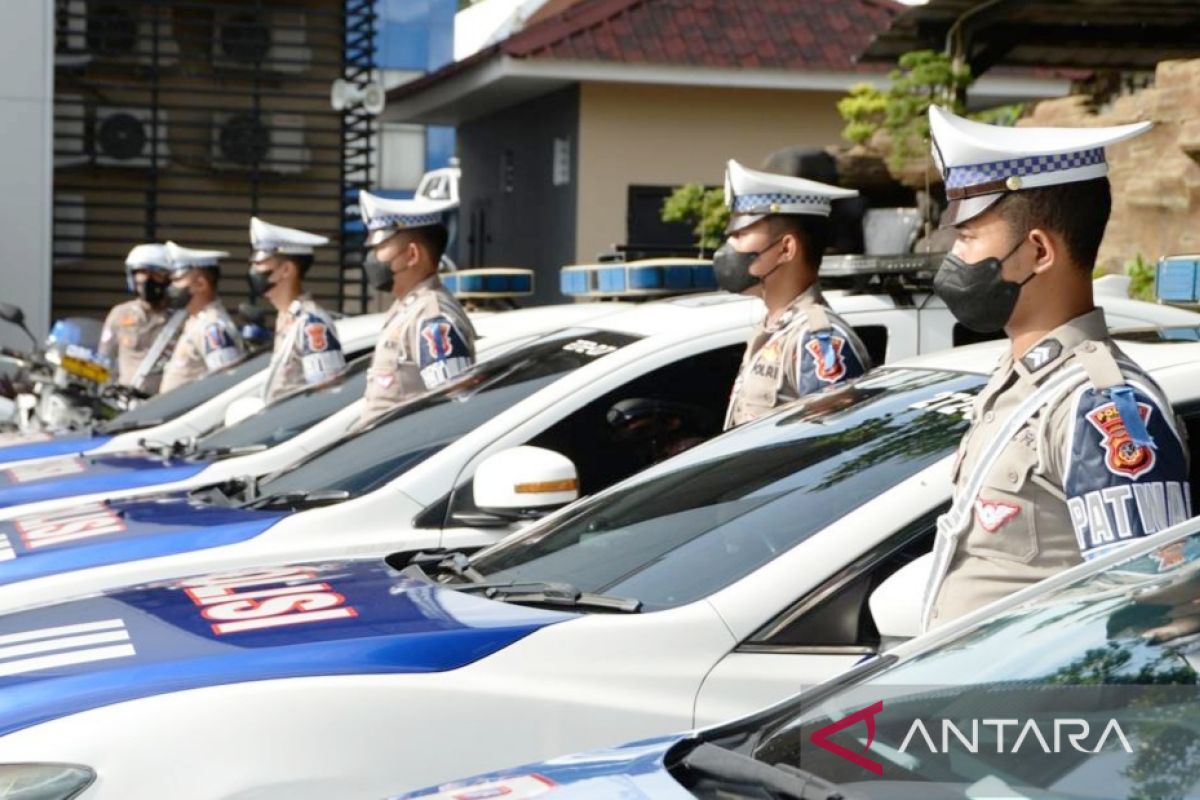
(739, 221)
(375, 238)
(960, 211)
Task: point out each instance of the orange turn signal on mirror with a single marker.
(565, 485)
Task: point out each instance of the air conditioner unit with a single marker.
(70, 228)
(70, 131)
(259, 40)
(243, 140)
(110, 30)
(70, 32)
(128, 137)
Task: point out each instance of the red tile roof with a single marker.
(818, 35)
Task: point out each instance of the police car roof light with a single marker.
(492, 283)
(852, 266)
(1177, 279)
(643, 279)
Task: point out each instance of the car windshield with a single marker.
(685, 529)
(1111, 660)
(403, 438)
(169, 405)
(292, 414)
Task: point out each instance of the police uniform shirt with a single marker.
(790, 357)
(303, 355)
(130, 330)
(426, 340)
(1093, 490)
(209, 341)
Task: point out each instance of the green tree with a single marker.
(703, 209)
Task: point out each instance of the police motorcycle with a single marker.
(61, 385)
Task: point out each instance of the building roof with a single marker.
(1083, 34)
(765, 44)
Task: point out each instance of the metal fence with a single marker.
(179, 120)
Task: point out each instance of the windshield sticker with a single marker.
(54, 468)
(949, 403)
(234, 604)
(516, 788)
(85, 522)
(64, 646)
(587, 347)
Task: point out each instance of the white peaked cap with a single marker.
(751, 195)
(980, 163)
(384, 216)
(187, 257)
(148, 256)
(269, 239)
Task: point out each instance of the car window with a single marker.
(640, 423)
(1118, 646)
(290, 415)
(415, 430)
(698, 522)
(172, 404)
(875, 339)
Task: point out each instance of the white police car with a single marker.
(1081, 686)
(703, 588)
(268, 439)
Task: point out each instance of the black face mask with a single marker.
(732, 267)
(976, 294)
(379, 275)
(260, 282)
(178, 296)
(152, 292)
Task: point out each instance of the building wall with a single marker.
(670, 135)
(513, 214)
(26, 106)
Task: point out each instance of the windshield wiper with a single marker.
(114, 426)
(169, 450)
(298, 497)
(709, 761)
(227, 451)
(424, 564)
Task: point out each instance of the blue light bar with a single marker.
(1177, 279)
(654, 277)
(489, 283)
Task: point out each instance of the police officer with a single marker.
(777, 231)
(1072, 450)
(209, 339)
(307, 349)
(138, 334)
(427, 338)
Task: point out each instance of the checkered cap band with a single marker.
(402, 221)
(975, 174)
(761, 203)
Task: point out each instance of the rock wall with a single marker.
(1156, 176)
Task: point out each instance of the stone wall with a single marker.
(1156, 176)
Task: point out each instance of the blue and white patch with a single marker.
(320, 350)
(220, 348)
(442, 351)
(826, 358)
(1116, 489)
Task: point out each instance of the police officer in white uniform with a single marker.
(427, 338)
(1073, 450)
(209, 339)
(139, 334)
(778, 229)
(307, 349)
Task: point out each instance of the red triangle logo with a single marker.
(867, 715)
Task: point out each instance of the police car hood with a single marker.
(633, 772)
(68, 476)
(43, 445)
(328, 619)
(98, 534)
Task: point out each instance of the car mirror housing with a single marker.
(896, 603)
(524, 482)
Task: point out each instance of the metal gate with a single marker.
(179, 120)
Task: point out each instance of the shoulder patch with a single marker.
(443, 351)
(825, 358)
(217, 337)
(1116, 488)
(317, 336)
(1044, 353)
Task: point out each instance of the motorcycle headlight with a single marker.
(43, 781)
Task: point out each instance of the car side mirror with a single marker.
(13, 314)
(524, 483)
(896, 603)
(241, 408)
